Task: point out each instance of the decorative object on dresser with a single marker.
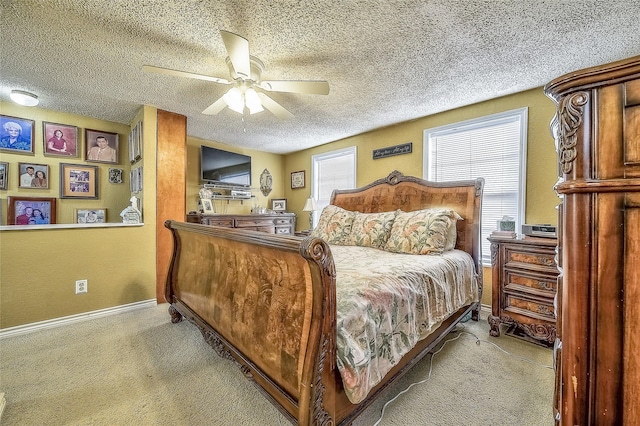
(310, 206)
(524, 276)
(275, 223)
(597, 133)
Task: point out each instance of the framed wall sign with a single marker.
(4, 175)
(78, 181)
(90, 215)
(297, 179)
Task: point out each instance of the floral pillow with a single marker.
(334, 225)
(371, 229)
(452, 236)
(421, 232)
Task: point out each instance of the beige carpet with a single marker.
(137, 368)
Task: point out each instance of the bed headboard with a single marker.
(408, 193)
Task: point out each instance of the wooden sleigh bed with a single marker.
(268, 302)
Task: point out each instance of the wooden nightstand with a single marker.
(524, 278)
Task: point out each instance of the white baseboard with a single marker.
(485, 309)
(57, 322)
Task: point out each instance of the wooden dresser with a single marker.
(597, 133)
(524, 274)
(274, 223)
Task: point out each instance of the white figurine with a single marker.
(131, 214)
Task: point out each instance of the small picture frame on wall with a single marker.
(78, 181)
(115, 175)
(17, 135)
(4, 175)
(135, 143)
(101, 147)
(60, 140)
(297, 179)
(31, 211)
(279, 204)
(90, 215)
(33, 176)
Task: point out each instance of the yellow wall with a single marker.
(38, 268)
(259, 161)
(541, 158)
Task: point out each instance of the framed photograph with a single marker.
(115, 175)
(279, 204)
(90, 215)
(101, 147)
(4, 175)
(60, 140)
(207, 206)
(31, 211)
(135, 176)
(33, 176)
(135, 143)
(78, 181)
(17, 135)
(297, 179)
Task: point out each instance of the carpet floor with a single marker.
(138, 368)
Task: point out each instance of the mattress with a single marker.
(387, 302)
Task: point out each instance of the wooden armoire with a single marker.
(597, 133)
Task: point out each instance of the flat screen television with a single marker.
(218, 166)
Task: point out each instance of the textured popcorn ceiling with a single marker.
(386, 61)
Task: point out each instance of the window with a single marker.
(493, 147)
(332, 170)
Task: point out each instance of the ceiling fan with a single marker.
(247, 93)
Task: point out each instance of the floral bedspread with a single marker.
(386, 302)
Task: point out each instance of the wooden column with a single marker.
(171, 188)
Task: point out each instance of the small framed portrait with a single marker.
(78, 181)
(33, 176)
(90, 216)
(101, 147)
(115, 175)
(207, 206)
(31, 211)
(279, 204)
(297, 179)
(4, 175)
(17, 135)
(60, 140)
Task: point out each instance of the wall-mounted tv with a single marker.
(224, 167)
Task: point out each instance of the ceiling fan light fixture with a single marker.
(253, 101)
(24, 98)
(234, 100)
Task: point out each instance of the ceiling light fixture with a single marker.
(237, 98)
(24, 98)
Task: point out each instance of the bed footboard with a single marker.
(268, 303)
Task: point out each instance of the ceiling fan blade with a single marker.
(296, 86)
(275, 108)
(215, 107)
(238, 50)
(168, 71)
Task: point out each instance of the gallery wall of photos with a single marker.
(55, 170)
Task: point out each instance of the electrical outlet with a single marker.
(81, 286)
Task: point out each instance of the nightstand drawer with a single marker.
(540, 258)
(528, 307)
(283, 230)
(537, 284)
(283, 221)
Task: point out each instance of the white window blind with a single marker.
(492, 147)
(332, 170)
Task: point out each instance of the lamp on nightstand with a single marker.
(310, 206)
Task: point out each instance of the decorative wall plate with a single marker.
(266, 182)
